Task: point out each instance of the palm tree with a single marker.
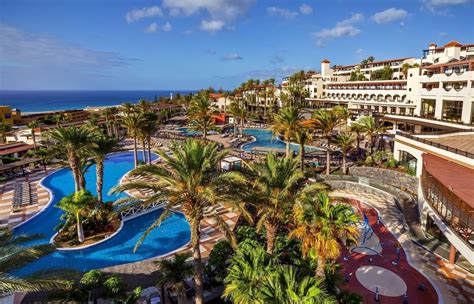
(249, 265)
(345, 142)
(326, 121)
(148, 129)
(4, 129)
(286, 285)
(302, 136)
(78, 205)
(103, 145)
(57, 118)
(201, 113)
(174, 273)
(127, 108)
(321, 226)
(132, 121)
(190, 181)
(72, 141)
(33, 125)
(287, 121)
(371, 128)
(357, 129)
(44, 154)
(14, 255)
(276, 185)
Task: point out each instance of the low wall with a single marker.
(386, 176)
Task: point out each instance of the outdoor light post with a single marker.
(377, 296)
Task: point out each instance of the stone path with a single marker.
(454, 285)
(39, 197)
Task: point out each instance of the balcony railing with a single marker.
(455, 122)
(436, 145)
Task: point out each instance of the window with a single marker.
(408, 161)
(393, 110)
(402, 111)
(428, 108)
(452, 110)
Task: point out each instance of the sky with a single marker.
(193, 44)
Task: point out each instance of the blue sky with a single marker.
(191, 44)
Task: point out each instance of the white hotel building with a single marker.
(433, 103)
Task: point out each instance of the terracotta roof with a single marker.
(325, 61)
(375, 62)
(459, 179)
(215, 96)
(452, 43)
(432, 44)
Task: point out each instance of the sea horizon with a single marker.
(31, 101)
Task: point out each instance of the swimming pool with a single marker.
(265, 138)
(173, 233)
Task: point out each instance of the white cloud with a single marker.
(167, 27)
(20, 48)
(305, 9)
(442, 6)
(232, 56)
(282, 12)
(220, 12)
(146, 12)
(344, 28)
(153, 27)
(389, 15)
(212, 25)
(359, 52)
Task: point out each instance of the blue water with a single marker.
(34, 101)
(265, 138)
(172, 234)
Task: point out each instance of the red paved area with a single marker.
(410, 275)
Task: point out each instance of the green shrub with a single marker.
(216, 268)
(92, 279)
(113, 285)
(369, 161)
(246, 233)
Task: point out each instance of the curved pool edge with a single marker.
(48, 205)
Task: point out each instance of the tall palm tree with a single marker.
(302, 136)
(174, 273)
(14, 255)
(326, 121)
(148, 129)
(72, 140)
(322, 226)
(345, 142)
(287, 121)
(276, 185)
(190, 181)
(127, 108)
(102, 146)
(357, 129)
(33, 125)
(371, 128)
(201, 113)
(132, 121)
(78, 205)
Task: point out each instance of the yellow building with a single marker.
(6, 115)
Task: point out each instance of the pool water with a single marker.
(173, 233)
(265, 138)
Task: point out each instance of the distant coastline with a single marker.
(30, 102)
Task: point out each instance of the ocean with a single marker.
(38, 101)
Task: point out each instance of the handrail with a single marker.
(436, 145)
(438, 120)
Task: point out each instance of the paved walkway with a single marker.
(453, 284)
(39, 198)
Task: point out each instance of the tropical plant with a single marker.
(201, 113)
(296, 89)
(103, 145)
(286, 122)
(326, 121)
(371, 128)
(133, 121)
(302, 136)
(147, 130)
(72, 141)
(321, 226)
(14, 254)
(238, 113)
(216, 267)
(78, 205)
(44, 154)
(33, 125)
(357, 129)
(189, 181)
(345, 142)
(277, 183)
(174, 273)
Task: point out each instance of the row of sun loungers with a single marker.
(21, 195)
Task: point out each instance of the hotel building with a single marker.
(430, 103)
